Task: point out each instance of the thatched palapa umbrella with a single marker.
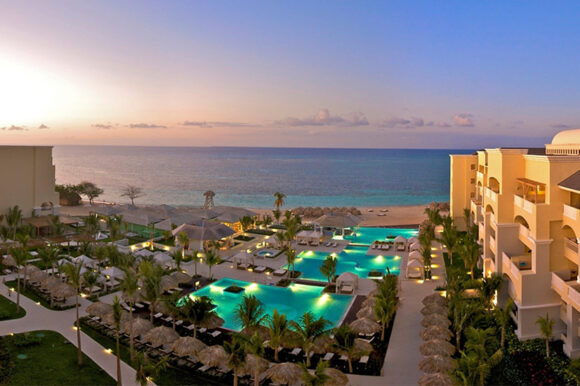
(365, 326)
(323, 344)
(435, 320)
(63, 290)
(369, 302)
(140, 326)
(186, 346)
(109, 318)
(284, 373)
(434, 309)
(291, 340)
(435, 379)
(30, 269)
(99, 309)
(362, 346)
(181, 277)
(160, 336)
(436, 364)
(214, 321)
(167, 283)
(254, 362)
(9, 261)
(336, 377)
(367, 312)
(262, 332)
(214, 356)
(437, 347)
(38, 276)
(436, 332)
(50, 282)
(435, 298)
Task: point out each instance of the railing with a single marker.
(492, 218)
(570, 212)
(573, 294)
(573, 245)
(528, 206)
(559, 285)
(492, 243)
(518, 201)
(524, 231)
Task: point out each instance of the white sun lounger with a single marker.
(260, 269)
(335, 244)
(279, 272)
(328, 356)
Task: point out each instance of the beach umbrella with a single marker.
(38, 276)
(99, 309)
(338, 220)
(365, 326)
(362, 346)
(323, 344)
(167, 283)
(435, 320)
(214, 356)
(436, 379)
(435, 332)
(437, 347)
(335, 377)
(435, 299)
(180, 277)
(367, 312)
(291, 340)
(9, 261)
(186, 346)
(49, 282)
(63, 290)
(126, 298)
(109, 318)
(213, 321)
(254, 362)
(436, 364)
(160, 336)
(140, 326)
(262, 332)
(284, 373)
(29, 269)
(434, 309)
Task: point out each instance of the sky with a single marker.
(371, 74)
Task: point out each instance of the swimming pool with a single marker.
(266, 252)
(367, 235)
(309, 262)
(293, 300)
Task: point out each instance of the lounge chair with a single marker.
(296, 351)
(346, 289)
(243, 266)
(260, 269)
(314, 243)
(335, 244)
(279, 272)
(374, 246)
(216, 333)
(401, 248)
(328, 356)
(302, 242)
(364, 360)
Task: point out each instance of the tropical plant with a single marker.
(462, 312)
(133, 192)
(90, 279)
(276, 213)
(279, 200)
(145, 369)
(194, 257)
(309, 328)
(384, 310)
(170, 302)
(318, 378)
(250, 312)
(434, 216)
(291, 260)
(546, 329)
(21, 257)
(267, 220)
(481, 355)
(73, 273)
(236, 350)
(470, 251)
(13, 219)
(129, 287)
(117, 313)
(211, 259)
(183, 240)
(449, 236)
(328, 268)
(151, 289)
(246, 222)
(502, 317)
(278, 329)
(488, 289)
(197, 310)
(255, 346)
(467, 216)
(90, 190)
(178, 257)
(49, 256)
(345, 342)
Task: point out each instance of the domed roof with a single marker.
(567, 137)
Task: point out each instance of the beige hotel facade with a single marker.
(526, 204)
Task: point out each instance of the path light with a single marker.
(108, 350)
(434, 265)
(37, 303)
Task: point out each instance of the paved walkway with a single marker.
(40, 318)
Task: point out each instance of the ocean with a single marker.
(248, 177)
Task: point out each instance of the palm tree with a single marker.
(462, 311)
(470, 251)
(291, 260)
(92, 226)
(488, 288)
(319, 378)
(129, 287)
(345, 342)
(467, 216)
(145, 370)
(13, 219)
(255, 346)
(450, 236)
(282, 237)
(211, 259)
(246, 222)
(267, 220)
(433, 216)
(476, 363)
(276, 213)
(178, 257)
(183, 240)
(151, 290)
(90, 280)
(279, 200)
(250, 312)
(502, 316)
(49, 256)
(278, 329)
(309, 328)
(171, 306)
(236, 350)
(20, 256)
(328, 268)
(73, 272)
(546, 328)
(197, 311)
(194, 257)
(384, 310)
(117, 312)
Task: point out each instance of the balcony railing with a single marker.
(572, 245)
(571, 212)
(525, 232)
(492, 243)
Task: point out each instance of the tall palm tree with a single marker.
(73, 272)
(145, 369)
(236, 350)
(278, 328)
(488, 288)
(129, 287)
(171, 306)
(49, 256)
(291, 260)
(211, 259)
(345, 342)
(433, 216)
(328, 268)
(183, 240)
(319, 378)
(194, 257)
(282, 238)
(450, 236)
(279, 200)
(250, 312)
(546, 329)
(276, 213)
(13, 219)
(384, 310)
(470, 251)
(20, 256)
(255, 346)
(462, 312)
(117, 312)
(197, 311)
(309, 328)
(502, 317)
(151, 290)
(178, 257)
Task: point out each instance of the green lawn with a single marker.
(170, 376)
(8, 309)
(33, 296)
(52, 362)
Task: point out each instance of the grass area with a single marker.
(8, 309)
(170, 376)
(243, 238)
(51, 361)
(31, 293)
(261, 232)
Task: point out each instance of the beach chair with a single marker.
(328, 356)
(260, 269)
(243, 266)
(279, 272)
(401, 248)
(335, 244)
(346, 289)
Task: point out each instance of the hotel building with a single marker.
(27, 180)
(526, 204)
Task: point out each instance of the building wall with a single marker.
(462, 189)
(27, 176)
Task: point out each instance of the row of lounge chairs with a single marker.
(381, 247)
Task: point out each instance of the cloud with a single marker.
(206, 124)
(443, 124)
(43, 126)
(15, 128)
(323, 118)
(559, 126)
(404, 123)
(107, 126)
(463, 120)
(146, 126)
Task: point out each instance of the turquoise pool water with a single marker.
(367, 235)
(309, 262)
(293, 301)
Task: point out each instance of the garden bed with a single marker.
(261, 232)
(244, 238)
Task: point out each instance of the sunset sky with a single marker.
(288, 73)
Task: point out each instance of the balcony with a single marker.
(571, 250)
(492, 244)
(515, 267)
(491, 195)
(524, 204)
(572, 218)
(565, 284)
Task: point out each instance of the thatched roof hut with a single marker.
(284, 373)
(365, 326)
(99, 309)
(160, 336)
